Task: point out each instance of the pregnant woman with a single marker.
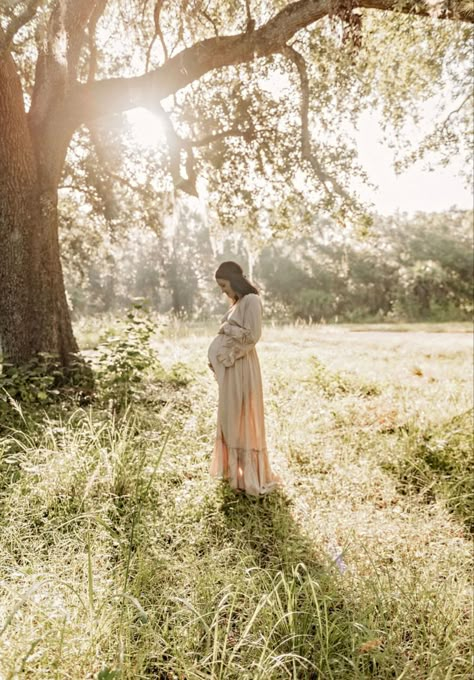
(240, 451)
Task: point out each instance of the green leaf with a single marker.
(108, 674)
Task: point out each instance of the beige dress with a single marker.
(240, 451)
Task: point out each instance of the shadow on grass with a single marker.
(264, 530)
(251, 597)
(255, 600)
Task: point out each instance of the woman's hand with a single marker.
(234, 331)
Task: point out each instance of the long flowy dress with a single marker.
(240, 451)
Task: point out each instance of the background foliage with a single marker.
(404, 269)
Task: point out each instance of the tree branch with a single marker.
(176, 144)
(91, 192)
(55, 78)
(77, 16)
(250, 25)
(17, 23)
(119, 94)
(103, 185)
(158, 32)
(91, 28)
(203, 11)
(457, 109)
(306, 151)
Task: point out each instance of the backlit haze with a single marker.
(416, 189)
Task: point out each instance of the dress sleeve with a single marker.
(253, 320)
(244, 337)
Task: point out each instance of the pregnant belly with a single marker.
(214, 348)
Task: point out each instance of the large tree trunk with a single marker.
(34, 315)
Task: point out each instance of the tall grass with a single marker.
(119, 557)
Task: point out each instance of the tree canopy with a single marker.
(258, 103)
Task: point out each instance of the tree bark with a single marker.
(34, 315)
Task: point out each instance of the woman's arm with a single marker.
(248, 334)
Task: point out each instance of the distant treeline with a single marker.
(405, 269)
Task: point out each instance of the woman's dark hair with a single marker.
(232, 272)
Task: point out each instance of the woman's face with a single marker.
(226, 288)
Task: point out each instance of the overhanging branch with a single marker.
(158, 33)
(306, 151)
(178, 145)
(119, 94)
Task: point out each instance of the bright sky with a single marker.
(416, 189)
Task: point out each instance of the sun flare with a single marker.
(146, 128)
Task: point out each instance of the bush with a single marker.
(126, 356)
(439, 465)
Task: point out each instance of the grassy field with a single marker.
(121, 558)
